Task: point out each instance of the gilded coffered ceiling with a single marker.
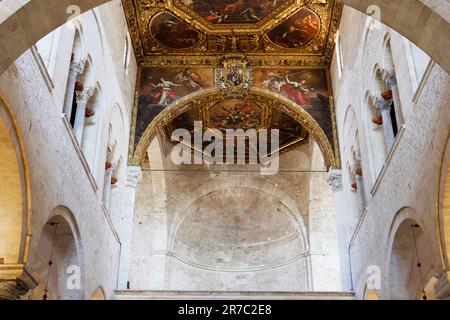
(290, 33)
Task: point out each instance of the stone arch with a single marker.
(99, 294)
(15, 196)
(281, 103)
(425, 25)
(443, 205)
(408, 244)
(187, 213)
(60, 243)
(370, 294)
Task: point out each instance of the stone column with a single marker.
(360, 183)
(126, 228)
(392, 85)
(76, 68)
(107, 189)
(82, 101)
(385, 109)
(342, 226)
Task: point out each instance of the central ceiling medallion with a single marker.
(234, 76)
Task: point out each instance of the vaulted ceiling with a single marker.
(198, 32)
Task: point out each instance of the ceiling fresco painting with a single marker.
(296, 33)
(298, 30)
(160, 87)
(236, 114)
(172, 32)
(233, 11)
(187, 47)
(309, 88)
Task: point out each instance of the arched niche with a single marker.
(59, 258)
(15, 199)
(255, 95)
(214, 231)
(409, 246)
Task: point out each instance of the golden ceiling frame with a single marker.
(216, 39)
(259, 96)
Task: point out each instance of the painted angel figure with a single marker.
(164, 94)
(297, 92)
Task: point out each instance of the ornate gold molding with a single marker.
(259, 96)
(217, 40)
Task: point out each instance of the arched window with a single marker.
(391, 84)
(375, 130)
(110, 166)
(353, 169)
(76, 67)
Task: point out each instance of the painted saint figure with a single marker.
(164, 94)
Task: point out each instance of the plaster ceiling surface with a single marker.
(200, 32)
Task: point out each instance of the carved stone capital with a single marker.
(84, 96)
(12, 289)
(76, 67)
(391, 80)
(15, 281)
(134, 176)
(335, 180)
(383, 105)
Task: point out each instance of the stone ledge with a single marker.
(229, 295)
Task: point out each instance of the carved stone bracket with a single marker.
(335, 180)
(134, 176)
(15, 281)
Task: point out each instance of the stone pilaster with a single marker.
(134, 176)
(342, 221)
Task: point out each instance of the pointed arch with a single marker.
(18, 227)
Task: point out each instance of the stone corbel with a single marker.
(134, 176)
(391, 80)
(15, 281)
(383, 105)
(84, 96)
(335, 180)
(77, 66)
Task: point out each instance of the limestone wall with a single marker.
(59, 174)
(409, 177)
